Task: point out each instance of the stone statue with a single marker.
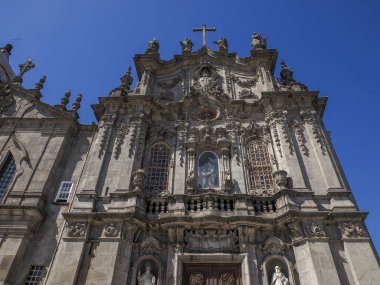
(279, 278)
(154, 45)
(208, 173)
(222, 44)
(286, 73)
(147, 278)
(258, 42)
(186, 45)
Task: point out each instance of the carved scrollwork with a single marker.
(296, 230)
(181, 140)
(353, 230)
(274, 245)
(138, 180)
(280, 118)
(315, 229)
(111, 230)
(243, 83)
(137, 133)
(76, 229)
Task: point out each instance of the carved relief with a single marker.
(150, 246)
(296, 230)
(129, 233)
(226, 278)
(197, 278)
(280, 118)
(310, 117)
(352, 230)
(105, 124)
(315, 229)
(206, 79)
(111, 230)
(121, 132)
(76, 229)
(137, 133)
(6, 99)
(274, 245)
(243, 83)
(138, 180)
(280, 179)
(181, 140)
(211, 240)
(299, 130)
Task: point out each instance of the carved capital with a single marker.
(353, 230)
(76, 229)
(111, 230)
(315, 229)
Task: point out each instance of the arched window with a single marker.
(259, 166)
(7, 172)
(208, 170)
(158, 168)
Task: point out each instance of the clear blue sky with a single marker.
(333, 47)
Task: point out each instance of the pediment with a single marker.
(17, 102)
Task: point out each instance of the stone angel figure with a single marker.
(147, 278)
(258, 42)
(279, 278)
(153, 47)
(186, 45)
(222, 44)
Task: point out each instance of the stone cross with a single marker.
(204, 30)
(25, 67)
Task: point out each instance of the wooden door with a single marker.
(212, 274)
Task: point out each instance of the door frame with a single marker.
(220, 258)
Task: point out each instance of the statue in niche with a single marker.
(147, 278)
(186, 45)
(278, 277)
(205, 79)
(208, 171)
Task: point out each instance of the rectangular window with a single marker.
(64, 191)
(35, 275)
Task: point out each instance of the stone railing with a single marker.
(210, 203)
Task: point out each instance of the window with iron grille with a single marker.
(7, 172)
(35, 275)
(259, 166)
(64, 191)
(158, 168)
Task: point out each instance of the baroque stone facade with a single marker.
(210, 170)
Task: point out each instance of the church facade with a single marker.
(210, 171)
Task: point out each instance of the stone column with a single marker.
(179, 166)
(234, 130)
(324, 175)
(132, 155)
(315, 263)
(11, 250)
(284, 148)
(67, 263)
(360, 254)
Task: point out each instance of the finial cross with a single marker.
(204, 29)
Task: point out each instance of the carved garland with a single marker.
(106, 123)
(352, 230)
(121, 132)
(300, 136)
(76, 229)
(310, 117)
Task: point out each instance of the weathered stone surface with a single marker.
(272, 203)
